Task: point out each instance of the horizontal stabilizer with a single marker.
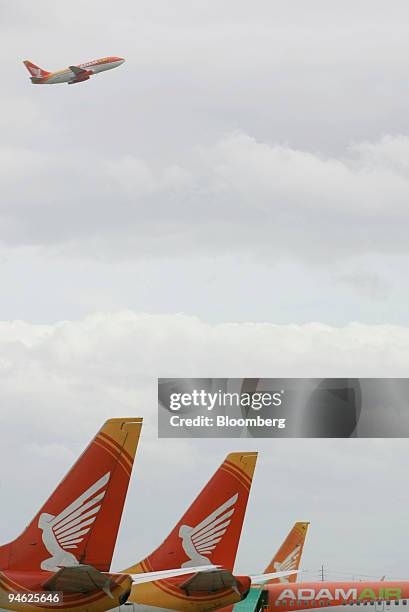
(170, 573)
(261, 578)
(209, 582)
(78, 579)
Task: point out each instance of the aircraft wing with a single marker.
(78, 71)
(171, 573)
(261, 578)
(78, 579)
(214, 580)
(85, 578)
(209, 581)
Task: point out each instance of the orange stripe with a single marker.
(109, 442)
(242, 473)
(121, 448)
(237, 476)
(102, 445)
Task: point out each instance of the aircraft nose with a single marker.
(120, 60)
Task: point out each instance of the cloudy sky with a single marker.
(244, 164)
(233, 200)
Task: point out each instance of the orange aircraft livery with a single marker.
(303, 595)
(208, 532)
(72, 74)
(289, 554)
(288, 557)
(68, 546)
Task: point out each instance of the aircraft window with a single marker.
(388, 603)
(396, 602)
(404, 601)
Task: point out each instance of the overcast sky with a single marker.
(245, 163)
(243, 181)
(59, 382)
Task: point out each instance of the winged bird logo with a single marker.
(202, 540)
(68, 529)
(288, 564)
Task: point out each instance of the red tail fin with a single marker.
(80, 521)
(34, 70)
(289, 554)
(209, 531)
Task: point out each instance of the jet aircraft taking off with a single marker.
(72, 74)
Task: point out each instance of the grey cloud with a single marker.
(237, 195)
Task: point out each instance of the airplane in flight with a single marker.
(72, 74)
(208, 533)
(67, 548)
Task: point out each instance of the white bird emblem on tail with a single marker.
(67, 529)
(288, 564)
(202, 540)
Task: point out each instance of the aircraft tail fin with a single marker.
(79, 522)
(209, 531)
(34, 70)
(289, 554)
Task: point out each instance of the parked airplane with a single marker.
(289, 554)
(293, 595)
(67, 548)
(288, 557)
(72, 74)
(305, 595)
(208, 532)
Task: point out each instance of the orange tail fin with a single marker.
(80, 521)
(209, 531)
(35, 71)
(288, 556)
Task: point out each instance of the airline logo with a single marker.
(289, 563)
(340, 594)
(67, 530)
(199, 541)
